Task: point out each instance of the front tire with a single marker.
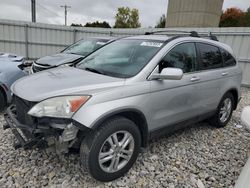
(224, 111)
(109, 152)
(2, 101)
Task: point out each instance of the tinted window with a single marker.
(228, 58)
(182, 56)
(210, 57)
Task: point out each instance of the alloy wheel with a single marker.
(116, 151)
(225, 110)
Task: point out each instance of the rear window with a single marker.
(210, 56)
(228, 58)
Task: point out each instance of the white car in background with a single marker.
(244, 179)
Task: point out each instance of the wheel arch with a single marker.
(132, 114)
(235, 94)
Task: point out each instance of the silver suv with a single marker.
(123, 95)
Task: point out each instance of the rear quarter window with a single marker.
(210, 56)
(228, 58)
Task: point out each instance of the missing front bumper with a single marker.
(27, 136)
(60, 134)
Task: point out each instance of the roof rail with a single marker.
(189, 33)
(213, 37)
(209, 35)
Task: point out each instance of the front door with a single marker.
(174, 101)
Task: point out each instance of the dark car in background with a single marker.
(12, 67)
(70, 55)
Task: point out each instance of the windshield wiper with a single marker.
(94, 70)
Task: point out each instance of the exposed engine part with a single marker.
(58, 126)
(69, 133)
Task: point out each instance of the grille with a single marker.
(37, 67)
(22, 109)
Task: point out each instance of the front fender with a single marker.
(91, 114)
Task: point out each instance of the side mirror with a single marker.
(168, 74)
(245, 117)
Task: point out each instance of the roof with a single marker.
(182, 37)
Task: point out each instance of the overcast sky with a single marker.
(82, 11)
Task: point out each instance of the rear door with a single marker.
(210, 78)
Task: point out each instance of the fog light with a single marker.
(69, 133)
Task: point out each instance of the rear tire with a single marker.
(224, 111)
(2, 101)
(109, 152)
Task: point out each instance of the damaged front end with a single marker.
(31, 132)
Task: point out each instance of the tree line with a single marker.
(231, 17)
(129, 18)
(235, 17)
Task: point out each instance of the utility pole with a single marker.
(65, 12)
(33, 10)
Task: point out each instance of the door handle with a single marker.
(224, 73)
(195, 79)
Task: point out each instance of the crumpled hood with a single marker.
(62, 81)
(58, 59)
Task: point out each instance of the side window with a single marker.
(228, 58)
(182, 56)
(210, 57)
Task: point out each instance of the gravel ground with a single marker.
(200, 156)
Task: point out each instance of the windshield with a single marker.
(123, 58)
(85, 47)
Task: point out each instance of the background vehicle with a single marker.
(11, 69)
(71, 55)
(244, 179)
(122, 95)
